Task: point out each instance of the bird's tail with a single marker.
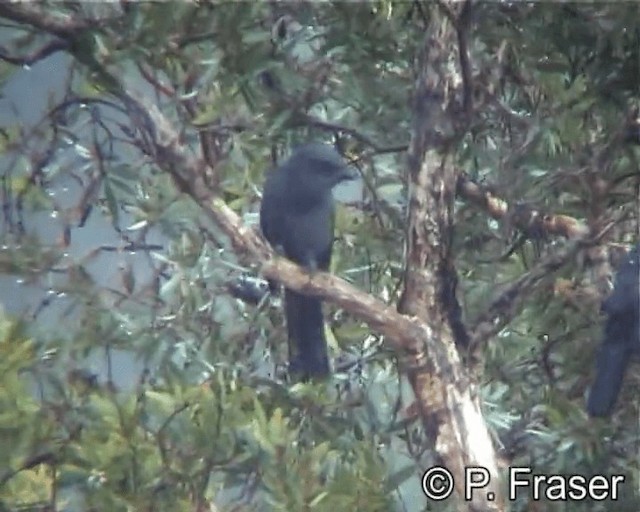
(612, 362)
(307, 342)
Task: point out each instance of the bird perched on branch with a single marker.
(297, 218)
(621, 336)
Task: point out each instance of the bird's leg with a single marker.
(311, 266)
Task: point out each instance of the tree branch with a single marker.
(447, 398)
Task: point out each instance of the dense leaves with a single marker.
(204, 415)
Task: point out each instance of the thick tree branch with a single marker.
(450, 409)
(172, 156)
(497, 208)
(447, 399)
(164, 145)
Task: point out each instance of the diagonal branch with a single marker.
(505, 306)
(39, 54)
(64, 27)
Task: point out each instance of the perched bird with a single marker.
(297, 218)
(621, 336)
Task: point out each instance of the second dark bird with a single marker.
(297, 218)
(621, 336)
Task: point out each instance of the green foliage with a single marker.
(155, 448)
(206, 418)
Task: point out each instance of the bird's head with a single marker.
(319, 166)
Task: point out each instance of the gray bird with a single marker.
(621, 336)
(297, 218)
